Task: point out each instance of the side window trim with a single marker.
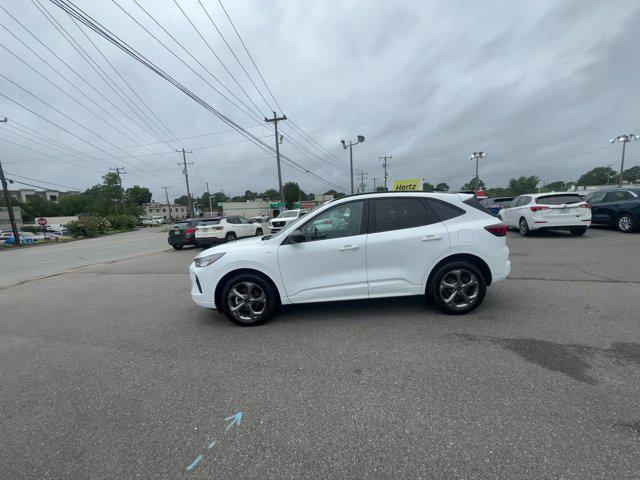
(426, 200)
(373, 228)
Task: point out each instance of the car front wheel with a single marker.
(578, 231)
(230, 237)
(458, 287)
(626, 223)
(258, 232)
(248, 300)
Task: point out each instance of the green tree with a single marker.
(271, 194)
(598, 176)
(557, 186)
(137, 195)
(218, 197)
(498, 192)
(292, 193)
(249, 195)
(474, 185)
(442, 187)
(428, 187)
(521, 185)
(631, 174)
(73, 204)
(183, 200)
(335, 193)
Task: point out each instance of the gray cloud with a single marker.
(534, 84)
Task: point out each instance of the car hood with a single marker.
(244, 244)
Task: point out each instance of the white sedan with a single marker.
(547, 211)
(226, 229)
(373, 245)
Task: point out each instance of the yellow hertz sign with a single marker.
(407, 184)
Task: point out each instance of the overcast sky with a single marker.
(540, 86)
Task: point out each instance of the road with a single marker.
(23, 264)
(111, 372)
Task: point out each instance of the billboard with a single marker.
(408, 184)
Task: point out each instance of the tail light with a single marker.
(537, 208)
(585, 205)
(189, 231)
(498, 229)
(217, 227)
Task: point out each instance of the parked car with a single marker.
(381, 245)
(284, 219)
(616, 206)
(226, 229)
(25, 239)
(155, 220)
(547, 211)
(494, 205)
(184, 232)
(264, 218)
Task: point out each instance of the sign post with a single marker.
(43, 223)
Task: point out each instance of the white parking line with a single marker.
(49, 261)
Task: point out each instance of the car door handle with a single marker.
(430, 238)
(348, 247)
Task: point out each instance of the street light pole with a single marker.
(350, 146)
(7, 200)
(477, 156)
(623, 139)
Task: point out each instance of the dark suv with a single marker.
(183, 232)
(616, 206)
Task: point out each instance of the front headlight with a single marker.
(208, 260)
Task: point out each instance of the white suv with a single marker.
(547, 211)
(365, 246)
(284, 219)
(226, 229)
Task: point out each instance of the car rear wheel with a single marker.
(626, 223)
(458, 287)
(248, 300)
(258, 232)
(578, 230)
(523, 227)
(230, 237)
(177, 247)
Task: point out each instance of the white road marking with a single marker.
(49, 261)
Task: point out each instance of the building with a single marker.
(24, 194)
(178, 212)
(5, 224)
(247, 209)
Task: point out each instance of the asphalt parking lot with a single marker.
(111, 372)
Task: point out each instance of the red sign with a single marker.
(42, 221)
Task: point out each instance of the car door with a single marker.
(331, 263)
(405, 239)
(612, 205)
(597, 213)
(507, 215)
(246, 227)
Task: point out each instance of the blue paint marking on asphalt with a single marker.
(234, 419)
(194, 463)
(212, 444)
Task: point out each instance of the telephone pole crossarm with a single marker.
(275, 121)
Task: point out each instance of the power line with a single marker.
(41, 181)
(76, 12)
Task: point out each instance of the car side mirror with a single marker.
(297, 237)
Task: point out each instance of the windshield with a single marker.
(288, 214)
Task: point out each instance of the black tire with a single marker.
(576, 231)
(626, 223)
(463, 273)
(523, 227)
(237, 292)
(177, 247)
(259, 232)
(230, 237)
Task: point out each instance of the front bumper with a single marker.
(201, 293)
(210, 240)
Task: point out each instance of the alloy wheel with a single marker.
(459, 288)
(524, 228)
(624, 223)
(247, 301)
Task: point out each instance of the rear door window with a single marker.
(595, 197)
(398, 213)
(617, 196)
(443, 210)
(558, 199)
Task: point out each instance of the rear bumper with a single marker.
(497, 277)
(181, 241)
(559, 224)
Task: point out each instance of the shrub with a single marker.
(122, 222)
(88, 227)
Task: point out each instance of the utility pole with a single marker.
(186, 177)
(7, 201)
(275, 121)
(623, 139)
(375, 189)
(385, 165)
(362, 186)
(120, 170)
(166, 195)
(210, 204)
(350, 145)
